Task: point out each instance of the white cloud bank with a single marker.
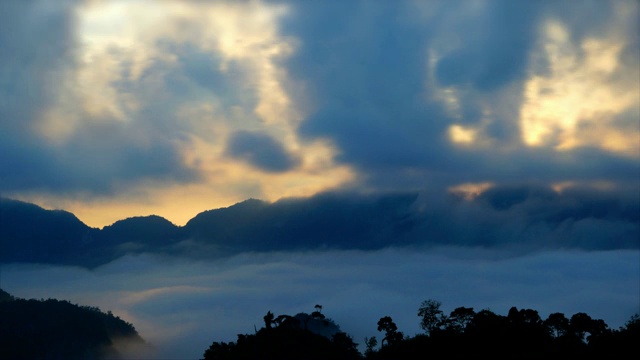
(181, 306)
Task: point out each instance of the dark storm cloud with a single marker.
(98, 160)
(496, 47)
(112, 154)
(261, 151)
(541, 165)
(367, 71)
(527, 217)
(539, 204)
(36, 41)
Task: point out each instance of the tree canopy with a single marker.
(461, 334)
(303, 336)
(58, 329)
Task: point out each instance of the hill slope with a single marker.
(55, 329)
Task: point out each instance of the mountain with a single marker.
(29, 233)
(322, 221)
(56, 329)
(231, 227)
(522, 218)
(141, 232)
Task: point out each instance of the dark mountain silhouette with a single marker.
(231, 227)
(322, 221)
(29, 233)
(57, 329)
(142, 232)
(502, 216)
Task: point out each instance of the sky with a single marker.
(111, 109)
(118, 108)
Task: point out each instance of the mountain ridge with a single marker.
(501, 217)
(59, 237)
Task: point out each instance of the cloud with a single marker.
(50, 143)
(436, 93)
(131, 106)
(261, 151)
(558, 109)
(181, 307)
(135, 102)
(25, 71)
(494, 41)
(515, 122)
(365, 77)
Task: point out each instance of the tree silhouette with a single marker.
(557, 324)
(370, 344)
(391, 333)
(317, 314)
(431, 315)
(269, 320)
(463, 334)
(293, 337)
(459, 319)
(580, 324)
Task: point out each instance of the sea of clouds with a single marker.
(181, 306)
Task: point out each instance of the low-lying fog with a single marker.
(181, 306)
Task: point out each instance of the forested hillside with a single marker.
(58, 329)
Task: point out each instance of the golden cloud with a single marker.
(577, 102)
(120, 40)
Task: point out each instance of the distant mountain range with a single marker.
(29, 233)
(32, 234)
